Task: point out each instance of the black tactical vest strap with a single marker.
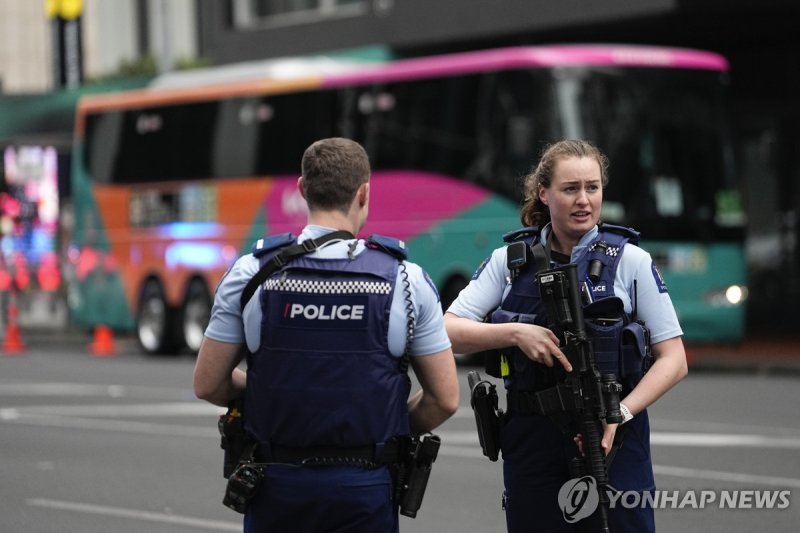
(286, 255)
(542, 254)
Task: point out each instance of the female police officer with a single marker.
(326, 393)
(565, 192)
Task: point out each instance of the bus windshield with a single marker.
(664, 131)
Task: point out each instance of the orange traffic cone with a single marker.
(103, 343)
(12, 344)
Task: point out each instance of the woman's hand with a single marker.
(540, 345)
(609, 432)
(537, 343)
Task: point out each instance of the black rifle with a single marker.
(592, 397)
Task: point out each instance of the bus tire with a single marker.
(195, 315)
(449, 293)
(156, 326)
(451, 288)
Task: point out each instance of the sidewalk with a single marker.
(760, 355)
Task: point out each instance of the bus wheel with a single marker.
(451, 289)
(196, 312)
(449, 293)
(154, 322)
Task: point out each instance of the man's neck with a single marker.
(333, 219)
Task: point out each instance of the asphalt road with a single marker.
(120, 444)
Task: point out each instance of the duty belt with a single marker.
(374, 455)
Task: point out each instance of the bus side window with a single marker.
(426, 124)
(296, 120)
(355, 115)
(518, 109)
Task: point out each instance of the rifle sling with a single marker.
(286, 255)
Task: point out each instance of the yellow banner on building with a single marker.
(63, 9)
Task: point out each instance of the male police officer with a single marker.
(329, 335)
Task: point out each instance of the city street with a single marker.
(97, 444)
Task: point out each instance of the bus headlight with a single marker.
(728, 297)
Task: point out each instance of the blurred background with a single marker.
(147, 143)
(702, 148)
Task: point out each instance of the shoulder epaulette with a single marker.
(267, 244)
(390, 245)
(521, 233)
(631, 234)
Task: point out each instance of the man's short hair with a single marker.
(333, 170)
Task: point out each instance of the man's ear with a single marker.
(363, 194)
(300, 186)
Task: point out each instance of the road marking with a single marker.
(696, 440)
(668, 424)
(715, 440)
(715, 475)
(196, 408)
(38, 389)
(135, 514)
(124, 426)
(109, 418)
(60, 389)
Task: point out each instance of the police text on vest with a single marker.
(323, 312)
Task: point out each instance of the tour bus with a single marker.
(172, 184)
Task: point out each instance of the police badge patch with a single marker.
(431, 284)
(481, 267)
(660, 283)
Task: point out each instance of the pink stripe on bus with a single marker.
(532, 57)
(402, 203)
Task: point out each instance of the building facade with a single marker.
(113, 34)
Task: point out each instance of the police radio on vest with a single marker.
(322, 312)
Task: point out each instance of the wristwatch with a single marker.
(626, 413)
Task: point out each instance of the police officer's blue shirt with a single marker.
(491, 283)
(228, 325)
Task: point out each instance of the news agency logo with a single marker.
(579, 498)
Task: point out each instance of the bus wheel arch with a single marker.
(156, 327)
(452, 285)
(195, 313)
(450, 289)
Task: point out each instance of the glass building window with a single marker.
(255, 13)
